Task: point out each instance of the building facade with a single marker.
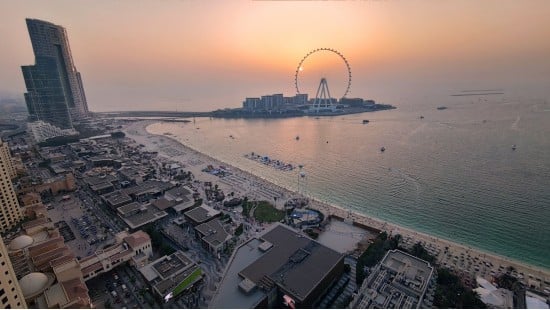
(54, 88)
(11, 295)
(10, 212)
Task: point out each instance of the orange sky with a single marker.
(200, 55)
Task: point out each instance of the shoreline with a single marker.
(459, 257)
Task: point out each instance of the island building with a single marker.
(399, 281)
(274, 102)
(10, 212)
(11, 295)
(283, 266)
(55, 93)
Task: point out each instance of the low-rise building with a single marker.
(134, 248)
(50, 275)
(213, 236)
(171, 275)
(201, 214)
(116, 199)
(399, 281)
(147, 190)
(136, 215)
(283, 265)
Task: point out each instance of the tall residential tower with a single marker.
(54, 88)
(10, 212)
(11, 295)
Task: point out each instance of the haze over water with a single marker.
(452, 174)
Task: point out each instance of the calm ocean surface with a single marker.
(452, 174)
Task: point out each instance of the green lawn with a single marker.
(266, 212)
(185, 283)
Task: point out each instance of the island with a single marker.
(279, 106)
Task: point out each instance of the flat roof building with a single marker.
(213, 235)
(136, 215)
(399, 281)
(135, 247)
(282, 262)
(116, 199)
(201, 214)
(171, 275)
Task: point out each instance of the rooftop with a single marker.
(162, 203)
(213, 232)
(137, 239)
(136, 215)
(116, 198)
(228, 295)
(295, 262)
(168, 272)
(97, 180)
(202, 213)
(149, 186)
(178, 192)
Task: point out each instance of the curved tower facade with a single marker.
(54, 87)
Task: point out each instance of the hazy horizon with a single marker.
(192, 55)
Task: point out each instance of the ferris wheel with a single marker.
(299, 69)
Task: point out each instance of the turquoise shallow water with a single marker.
(452, 174)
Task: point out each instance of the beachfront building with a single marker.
(213, 236)
(171, 275)
(134, 248)
(11, 295)
(273, 102)
(54, 87)
(399, 281)
(283, 266)
(10, 212)
(498, 298)
(201, 214)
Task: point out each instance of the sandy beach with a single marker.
(466, 261)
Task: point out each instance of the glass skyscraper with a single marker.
(54, 88)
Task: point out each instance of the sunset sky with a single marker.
(202, 55)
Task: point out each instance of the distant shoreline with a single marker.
(240, 113)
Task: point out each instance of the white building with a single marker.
(41, 131)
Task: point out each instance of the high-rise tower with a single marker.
(54, 88)
(11, 295)
(10, 212)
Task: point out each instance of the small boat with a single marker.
(231, 136)
(514, 147)
(365, 121)
(421, 116)
(297, 138)
(382, 149)
(441, 108)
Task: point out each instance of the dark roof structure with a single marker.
(294, 262)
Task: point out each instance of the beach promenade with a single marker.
(466, 261)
